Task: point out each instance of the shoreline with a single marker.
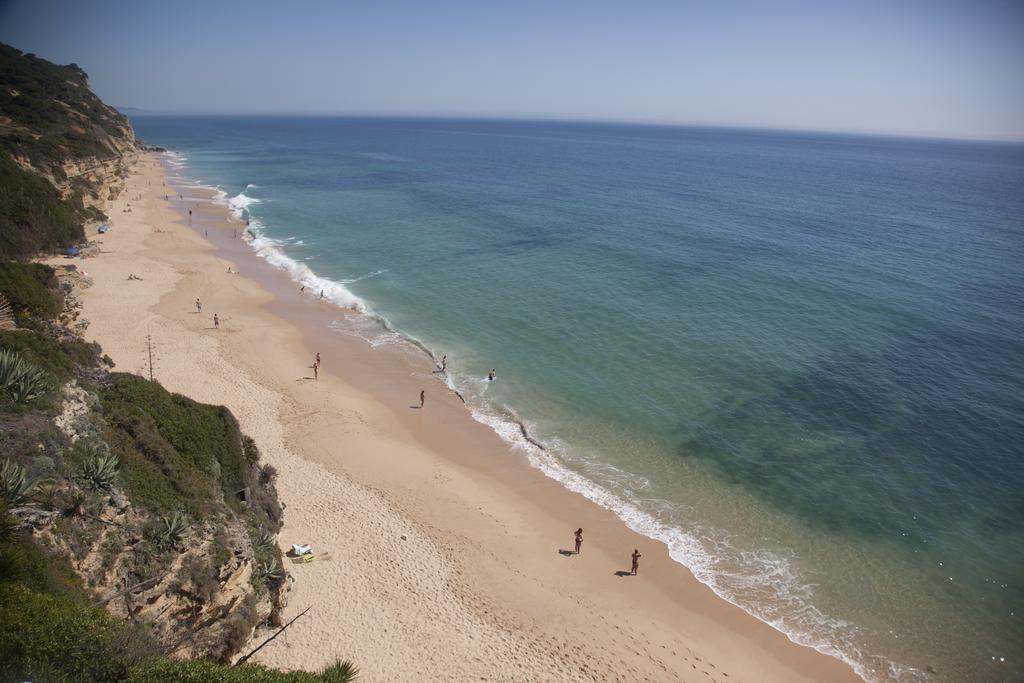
(479, 589)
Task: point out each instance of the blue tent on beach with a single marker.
(104, 228)
(71, 251)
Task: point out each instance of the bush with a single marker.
(21, 381)
(60, 358)
(50, 638)
(99, 469)
(31, 288)
(164, 670)
(33, 216)
(15, 485)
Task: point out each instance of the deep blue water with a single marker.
(798, 359)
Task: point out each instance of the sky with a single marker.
(907, 67)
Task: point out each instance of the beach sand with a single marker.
(443, 542)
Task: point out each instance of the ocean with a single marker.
(797, 359)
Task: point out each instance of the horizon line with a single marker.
(570, 118)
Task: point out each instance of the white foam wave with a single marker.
(271, 251)
(240, 203)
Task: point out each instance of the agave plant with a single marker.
(15, 486)
(21, 380)
(269, 571)
(99, 470)
(171, 530)
(10, 366)
(6, 314)
(340, 672)
(264, 541)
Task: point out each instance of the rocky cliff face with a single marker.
(146, 503)
(53, 127)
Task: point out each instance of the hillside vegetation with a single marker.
(61, 154)
(135, 524)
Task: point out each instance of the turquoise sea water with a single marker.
(796, 359)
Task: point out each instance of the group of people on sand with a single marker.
(635, 557)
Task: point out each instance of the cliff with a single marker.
(62, 154)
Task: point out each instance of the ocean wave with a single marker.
(240, 203)
(272, 252)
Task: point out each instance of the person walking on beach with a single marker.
(321, 294)
(216, 322)
(579, 539)
(423, 397)
(199, 306)
(316, 371)
(318, 358)
(302, 290)
(444, 363)
(491, 375)
(636, 561)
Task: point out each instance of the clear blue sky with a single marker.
(927, 67)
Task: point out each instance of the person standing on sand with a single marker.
(444, 363)
(216, 322)
(316, 371)
(579, 539)
(199, 306)
(423, 397)
(636, 561)
(318, 358)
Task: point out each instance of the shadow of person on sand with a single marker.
(566, 553)
(623, 573)
(416, 407)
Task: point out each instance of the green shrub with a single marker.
(21, 381)
(60, 358)
(99, 469)
(196, 448)
(165, 670)
(33, 216)
(50, 638)
(15, 486)
(171, 529)
(31, 288)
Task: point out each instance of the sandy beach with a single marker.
(443, 545)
